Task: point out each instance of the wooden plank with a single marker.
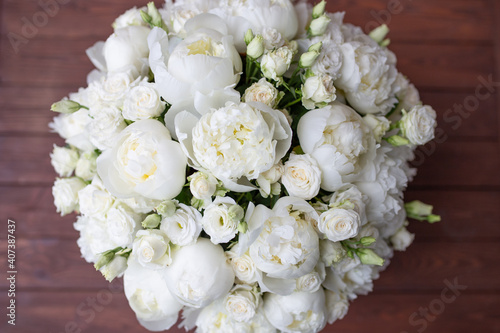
(410, 21)
(56, 263)
(466, 216)
(31, 114)
(25, 160)
(381, 313)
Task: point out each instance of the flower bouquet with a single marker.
(240, 163)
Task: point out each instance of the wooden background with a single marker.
(444, 46)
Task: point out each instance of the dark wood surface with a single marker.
(445, 47)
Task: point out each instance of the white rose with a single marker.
(202, 186)
(94, 199)
(94, 238)
(239, 140)
(268, 180)
(126, 49)
(311, 282)
(418, 124)
(275, 63)
(331, 252)
(406, 93)
(130, 17)
(299, 312)
(73, 128)
(350, 196)
(148, 296)
(402, 239)
(143, 102)
(199, 274)
(302, 176)
(378, 124)
(336, 137)
(152, 249)
(243, 265)
(86, 167)
(113, 89)
(202, 63)
(329, 60)
(317, 91)
(65, 192)
(242, 303)
(367, 76)
(264, 92)
(272, 38)
(122, 224)
(107, 123)
(64, 160)
(337, 306)
(287, 246)
(221, 218)
(184, 227)
(339, 224)
(144, 161)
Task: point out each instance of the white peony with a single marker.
(144, 161)
(418, 124)
(126, 49)
(264, 92)
(239, 140)
(221, 218)
(64, 160)
(65, 192)
(184, 227)
(287, 245)
(199, 274)
(318, 90)
(301, 176)
(106, 124)
(339, 224)
(143, 102)
(402, 239)
(336, 137)
(148, 296)
(152, 249)
(299, 312)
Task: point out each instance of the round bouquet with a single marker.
(240, 163)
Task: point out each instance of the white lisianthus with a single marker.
(221, 218)
(331, 252)
(268, 180)
(94, 199)
(126, 49)
(287, 245)
(64, 160)
(302, 176)
(339, 224)
(143, 161)
(243, 265)
(122, 224)
(106, 124)
(367, 76)
(94, 238)
(202, 186)
(336, 137)
(184, 227)
(86, 167)
(148, 296)
(143, 102)
(239, 140)
(406, 93)
(73, 128)
(402, 239)
(152, 249)
(242, 303)
(204, 62)
(199, 274)
(378, 124)
(299, 312)
(418, 124)
(264, 92)
(130, 17)
(318, 90)
(337, 306)
(115, 268)
(275, 63)
(65, 192)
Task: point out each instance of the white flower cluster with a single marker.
(243, 162)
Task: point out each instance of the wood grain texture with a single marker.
(446, 48)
